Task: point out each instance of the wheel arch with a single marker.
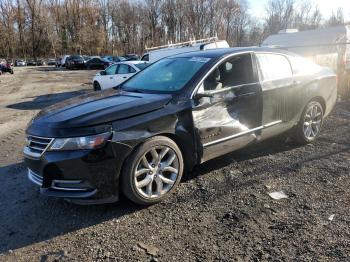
(182, 141)
(321, 100)
(94, 85)
(186, 150)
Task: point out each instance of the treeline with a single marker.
(42, 28)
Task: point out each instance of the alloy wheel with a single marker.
(312, 121)
(156, 172)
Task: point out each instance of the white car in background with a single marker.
(117, 73)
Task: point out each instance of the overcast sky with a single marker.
(257, 7)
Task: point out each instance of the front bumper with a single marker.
(63, 188)
(91, 175)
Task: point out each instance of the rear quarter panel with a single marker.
(320, 86)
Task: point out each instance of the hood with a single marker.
(97, 108)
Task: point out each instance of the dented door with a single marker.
(230, 118)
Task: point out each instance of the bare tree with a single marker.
(336, 18)
(52, 27)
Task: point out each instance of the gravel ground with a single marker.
(221, 210)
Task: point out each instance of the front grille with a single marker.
(36, 146)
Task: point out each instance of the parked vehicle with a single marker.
(114, 59)
(174, 114)
(154, 54)
(31, 62)
(98, 63)
(40, 62)
(61, 61)
(87, 58)
(117, 73)
(75, 62)
(132, 57)
(6, 68)
(326, 46)
(51, 62)
(20, 63)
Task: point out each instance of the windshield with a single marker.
(168, 74)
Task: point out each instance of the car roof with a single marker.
(220, 52)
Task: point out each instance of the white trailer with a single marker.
(326, 46)
(156, 53)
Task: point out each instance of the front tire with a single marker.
(310, 123)
(153, 171)
(97, 86)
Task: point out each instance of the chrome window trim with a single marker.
(224, 139)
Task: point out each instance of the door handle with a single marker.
(111, 77)
(125, 77)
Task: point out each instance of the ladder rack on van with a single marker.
(187, 43)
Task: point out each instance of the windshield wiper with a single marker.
(135, 90)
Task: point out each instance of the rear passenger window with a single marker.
(131, 70)
(274, 66)
(145, 58)
(123, 69)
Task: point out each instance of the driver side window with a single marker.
(235, 71)
(111, 70)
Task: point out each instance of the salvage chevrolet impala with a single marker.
(139, 137)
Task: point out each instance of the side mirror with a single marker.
(103, 73)
(203, 94)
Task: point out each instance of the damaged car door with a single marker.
(281, 93)
(227, 106)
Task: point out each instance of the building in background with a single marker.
(327, 47)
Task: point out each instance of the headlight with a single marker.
(76, 143)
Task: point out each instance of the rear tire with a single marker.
(310, 123)
(97, 86)
(153, 171)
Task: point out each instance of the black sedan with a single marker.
(31, 62)
(75, 62)
(98, 63)
(179, 112)
(132, 57)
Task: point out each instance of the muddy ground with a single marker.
(221, 211)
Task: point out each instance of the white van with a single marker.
(154, 54)
(61, 61)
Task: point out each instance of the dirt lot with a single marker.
(221, 210)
